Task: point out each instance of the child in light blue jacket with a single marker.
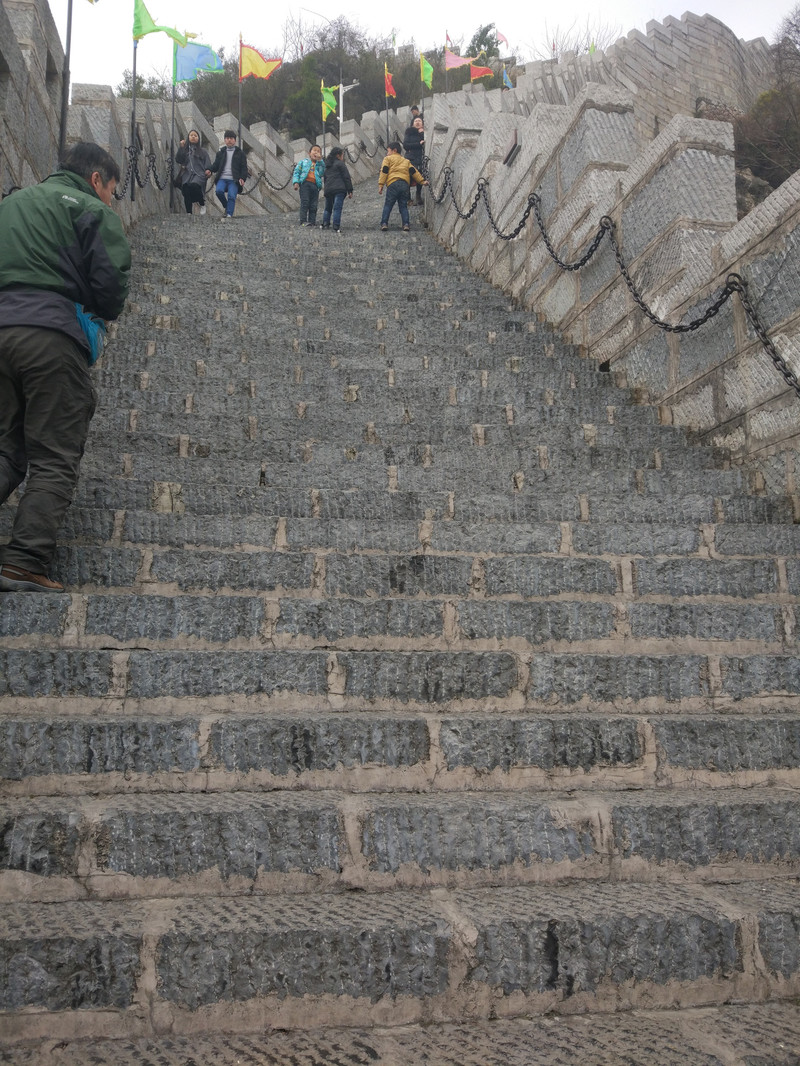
(307, 177)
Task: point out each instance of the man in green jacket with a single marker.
(64, 264)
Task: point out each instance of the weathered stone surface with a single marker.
(716, 621)
(341, 619)
(159, 618)
(601, 678)
(282, 745)
(471, 833)
(730, 743)
(529, 941)
(35, 747)
(236, 951)
(504, 742)
(238, 835)
(34, 613)
(157, 674)
(54, 673)
(764, 1035)
(537, 622)
(259, 570)
(428, 677)
(71, 963)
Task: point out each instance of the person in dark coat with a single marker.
(197, 167)
(338, 184)
(414, 148)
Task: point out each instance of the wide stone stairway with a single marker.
(418, 696)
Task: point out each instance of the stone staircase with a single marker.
(418, 698)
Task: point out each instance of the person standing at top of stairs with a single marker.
(196, 169)
(230, 166)
(338, 184)
(307, 177)
(64, 258)
(396, 177)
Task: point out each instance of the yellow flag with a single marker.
(253, 64)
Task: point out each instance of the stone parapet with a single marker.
(672, 202)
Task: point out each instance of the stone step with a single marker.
(766, 1033)
(195, 748)
(505, 679)
(356, 535)
(121, 383)
(201, 498)
(530, 949)
(249, 621)
(302, 439)
(415, 470)
(252, 843)
(393, 406)
(461, 575)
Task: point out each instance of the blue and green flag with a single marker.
(192, 60)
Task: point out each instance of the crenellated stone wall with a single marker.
(672, 198)
(31, 65)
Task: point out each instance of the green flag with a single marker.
(328, 99)
(143, 24)
(425, 71)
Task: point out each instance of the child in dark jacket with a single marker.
(338, 184)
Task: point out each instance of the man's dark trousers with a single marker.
(46, 404)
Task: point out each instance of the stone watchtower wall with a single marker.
(31, 65)
(672, 199)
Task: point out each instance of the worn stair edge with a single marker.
(767, 1034)
(246, 843)
(187, 966)
(182, 749)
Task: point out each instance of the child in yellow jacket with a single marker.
(396, 177)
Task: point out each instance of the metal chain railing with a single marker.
(362, 150)
(734, 283)
(262, 177)
(150, 173)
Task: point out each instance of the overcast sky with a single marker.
(102, 46)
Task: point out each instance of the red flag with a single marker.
(388, 88)
(479, 72)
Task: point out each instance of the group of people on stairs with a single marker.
(64, 273)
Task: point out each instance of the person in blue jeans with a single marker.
(338, 184)
(307, 177)
(230, 166)
(396, 177)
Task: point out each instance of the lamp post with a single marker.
(65, 77)
(342, 90)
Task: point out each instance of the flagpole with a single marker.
(172, 133)
(65, 79)
(239, 138)
(134, 151)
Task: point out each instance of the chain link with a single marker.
(150, 173)
(789, 376)
(362, 150)
(734, 283)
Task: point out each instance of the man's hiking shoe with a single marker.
(15, 579)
